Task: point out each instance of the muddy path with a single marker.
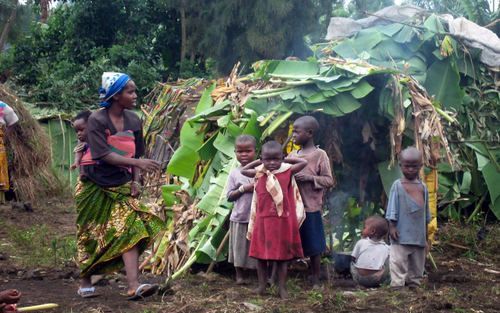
(36, 258)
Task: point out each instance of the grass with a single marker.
(314, 297)
(37, 246)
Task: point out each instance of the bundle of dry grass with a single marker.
(31, 173)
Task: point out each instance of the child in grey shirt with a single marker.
(408, 214)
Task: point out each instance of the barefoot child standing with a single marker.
(240, 191)
(313, 180)
(408, 214)
(276, 214)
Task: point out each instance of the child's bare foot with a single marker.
(315, 280)
(283, 293)
(272, 281)
(241, 281)
(260, 291)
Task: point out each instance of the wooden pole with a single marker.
(217, 253)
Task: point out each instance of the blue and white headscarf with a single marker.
(112, 83)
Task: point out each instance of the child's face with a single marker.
(245, 152)
(410, 167)
(80, 126)
(272, 159)
(300, 134)
(368, 229)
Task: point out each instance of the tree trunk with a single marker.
(44, 10)
(183, 31)
(8, 25)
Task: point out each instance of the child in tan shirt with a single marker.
(312, 181)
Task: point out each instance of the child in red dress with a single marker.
(276, 214)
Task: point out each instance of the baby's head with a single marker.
(80, 124)
(303, 129)
(245, 149)
(272, 155)
(410, 162)
(376, 228)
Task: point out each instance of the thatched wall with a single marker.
(31, 173)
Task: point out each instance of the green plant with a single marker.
(339, 301)
(314, 297)
(38, 246)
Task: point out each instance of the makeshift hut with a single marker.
(62, 137)
(384, 87)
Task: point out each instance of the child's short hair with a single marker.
(380, 225)
(309, 123)
(84, 115)
(246, 139)
(410, 152)
(271, 146)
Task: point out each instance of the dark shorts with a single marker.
(312, 234)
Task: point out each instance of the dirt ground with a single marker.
(36, 250)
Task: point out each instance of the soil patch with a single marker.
(465, 281)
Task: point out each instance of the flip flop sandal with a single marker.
(143, 291)
(87, 292)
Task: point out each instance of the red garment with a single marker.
(122, 143)
(275, 237)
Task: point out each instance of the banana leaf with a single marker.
(191, 138)
(443, 82)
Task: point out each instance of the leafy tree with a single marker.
(14, 21)
(60, 63)
(478, 11)
(360, 8)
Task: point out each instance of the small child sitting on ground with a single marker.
(240, 191)
(370, 265)
(8, 299)
(80, 126)
(276, 214)
(408, 214)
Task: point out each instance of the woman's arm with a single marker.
(143, 164)
(249, 169)
(297, 164)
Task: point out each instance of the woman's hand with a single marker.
(393, 231)
(148, 165)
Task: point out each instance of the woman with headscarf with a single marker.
(113, 227)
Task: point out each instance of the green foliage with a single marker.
(22, 20)
(247, 31)
(478, 11)
(60, 63)
(38, 246)
(360, 8)
(458, 82)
